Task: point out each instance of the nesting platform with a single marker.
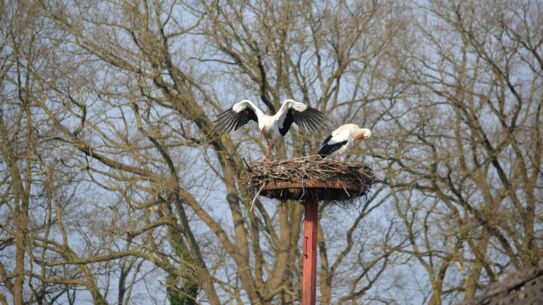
(310, 178)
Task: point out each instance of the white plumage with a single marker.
(275, 126)
(342, 139)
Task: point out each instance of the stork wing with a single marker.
(237, 116)
(326, 140)
(309, 118)
(329, 146)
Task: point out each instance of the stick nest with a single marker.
(310, 178)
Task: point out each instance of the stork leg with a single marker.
(339, 157)
(267, 151)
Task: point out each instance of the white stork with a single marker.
(342, 139)
(272, 127)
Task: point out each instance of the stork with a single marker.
(342, 139)
(272, 127)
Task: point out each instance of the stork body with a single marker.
(272, 127)
(342, 139)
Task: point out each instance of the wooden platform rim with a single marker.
(338, 184)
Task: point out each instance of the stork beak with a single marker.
(359, 138)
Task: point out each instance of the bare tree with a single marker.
(35, 187)
(116, 185)
(40, 184)
(140, 105)
(468, 149)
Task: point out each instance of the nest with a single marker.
(310, 178)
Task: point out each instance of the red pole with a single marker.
(309, 273)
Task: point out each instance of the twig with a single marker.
(249, 169)
(254, 199)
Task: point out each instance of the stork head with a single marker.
(361, 133)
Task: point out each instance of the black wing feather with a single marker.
(287, 122)
(327, 149)
(229, 119)
(326, 140)
(310, 118)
